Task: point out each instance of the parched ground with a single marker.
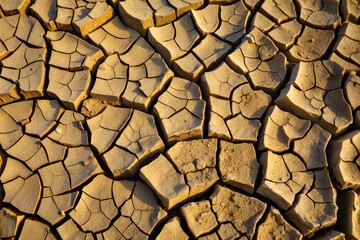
(180, 119)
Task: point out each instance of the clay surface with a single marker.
(180, 119)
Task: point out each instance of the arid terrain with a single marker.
(180, 119)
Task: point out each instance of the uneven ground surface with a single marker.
(180, 119)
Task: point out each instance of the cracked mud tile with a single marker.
(70, 130)
(207, 19)
(142, 15)
(175, 39)
(99, 15)
(211, 51)
(92, 107)
(276, 227)
(12, 7)
(172, 230)
(137, 14)
(235, 108)
(227, 231)
(314, 92)
(278, 10)
(319, 13)
(46, 11)
(132, 80)
(140, 136)
(147, 75)
(188, 67)
(234, 20)
(30, 151)
(344, 160)
(97, 206)
(53, 208)
(199, 217)
(114, 37)
(285, 35)
(69, 230)
(55, 151)
(22, 193)
(8, 92)
(260, 59)
(138, 142)
(283, 130)
(348, 66)
(311, 45)
(111, 79)
(347, 45)
(181, 110)
(350, 9)
(44, 117)
(352, 90)
(79, 165)
(238, 165)
(189, 167)
(227, 22)
(22, 56)
(104, 129)
(296, 178)
(196, 160)
(9, 223)
(71, 88)
(307, 195)
(171, 192)
(69, 12)
(33, 229)
(11, 118)
(241, 211)
(184, 6)
(72, 53)
(349, 214)
(140, 214)
(260, 21)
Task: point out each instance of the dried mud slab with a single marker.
(314, 92)
(238, 165)
(278, 10)
(235, 107)
(241, 211)
(22, 58)
(114, 37)
(312, 44)
(228, 22)
(347, 45)
(276, 227)
(170, 39)
(127, 142)
(320, 14)
(72, 53)
(181, 110)
(258, 58)
(344, 160)
(294, 169)
(172, 230)
(188, 166)
(132, 80)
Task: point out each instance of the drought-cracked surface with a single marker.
(180, 119)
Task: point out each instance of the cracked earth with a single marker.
(180, 119)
